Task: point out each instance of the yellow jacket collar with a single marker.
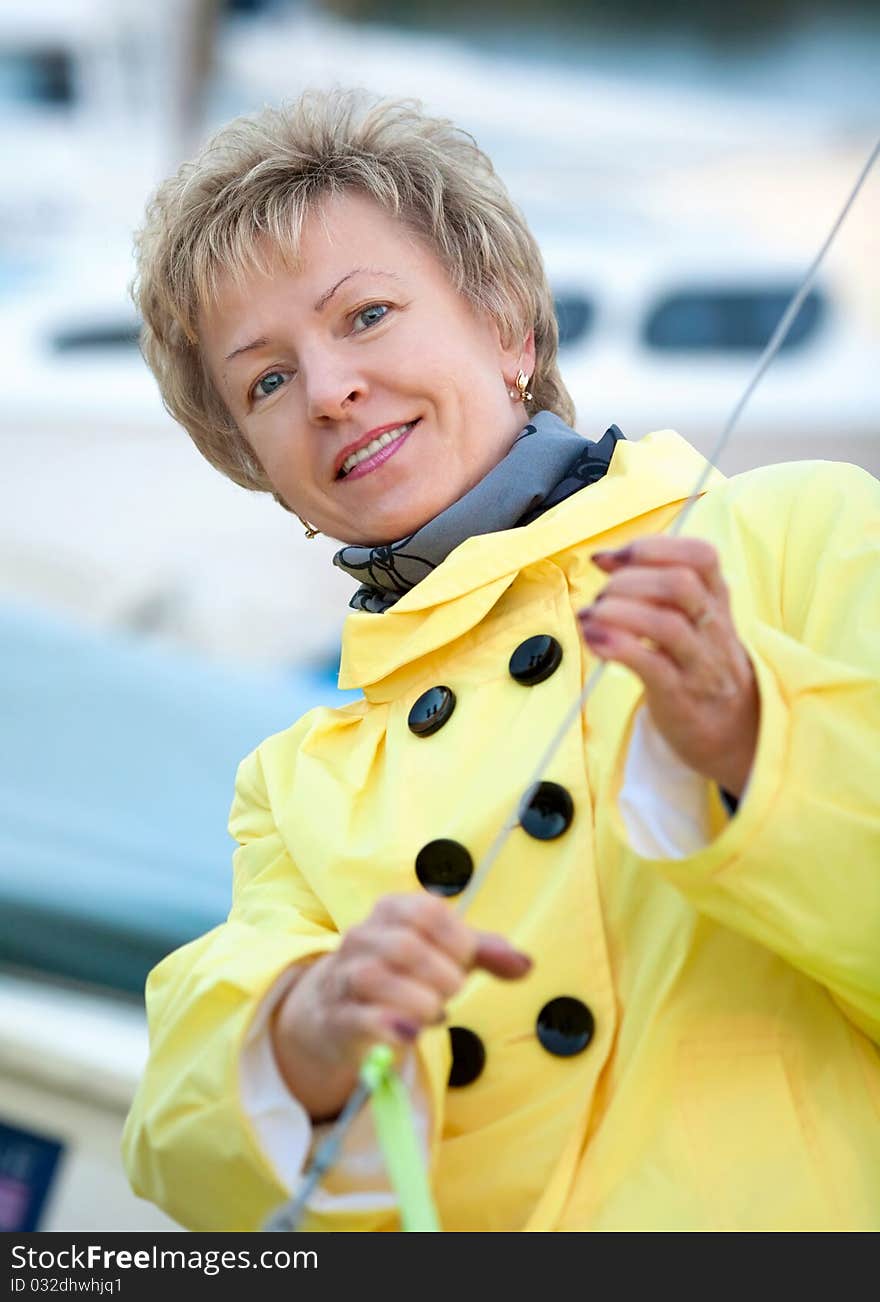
(658, 470)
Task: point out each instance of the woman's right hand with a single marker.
(390, 977)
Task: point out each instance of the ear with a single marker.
(527, 355)
(518, 355)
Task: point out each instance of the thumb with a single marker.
(498, 956)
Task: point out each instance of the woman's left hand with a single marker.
(665, 613)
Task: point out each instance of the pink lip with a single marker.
(378, 458)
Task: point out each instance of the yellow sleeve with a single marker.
(798, 868)
(188, 1145)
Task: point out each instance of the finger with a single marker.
(430, 918)
(676, 586)
(496, 955)
(410, 953)
(360, 1026)
(660, 549)
(669, 629)
(436, 922)
(657, 671)
(373, 982)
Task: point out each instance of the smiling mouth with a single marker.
(370, 452)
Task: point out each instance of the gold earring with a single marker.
(311, 532)
(522, 387)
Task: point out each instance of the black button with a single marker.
(444, 867)
(431, 711)
(535, 659)
(468, 1056)
(565, 1026)
(548, 813)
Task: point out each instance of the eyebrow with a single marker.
(246, 348)
(357, 271)
(319, 305)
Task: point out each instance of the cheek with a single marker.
(457, 379)
(282, 453)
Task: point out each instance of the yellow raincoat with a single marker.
(733, 1080)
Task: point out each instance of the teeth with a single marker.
(390, 436)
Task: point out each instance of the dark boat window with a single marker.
(574, 314)
(112, 337)
(729, 320)
(37, 77)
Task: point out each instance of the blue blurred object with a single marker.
(116, 777)
(739, 319)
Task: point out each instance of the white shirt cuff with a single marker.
(358, 1181)
(664, 804)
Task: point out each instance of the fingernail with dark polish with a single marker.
(405, 1030)
(596, 634)
(618, 557)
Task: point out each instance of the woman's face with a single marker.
(371, 392)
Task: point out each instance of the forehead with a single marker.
(338, 234)
(352, 223)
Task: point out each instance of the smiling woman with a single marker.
(662, 1010)
(373, 397)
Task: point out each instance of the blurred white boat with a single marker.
(80, 149)
(530, 114)
(99, 99)
(667, 333)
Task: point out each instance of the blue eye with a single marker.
(269, 384)
(371, 315)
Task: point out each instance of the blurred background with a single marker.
(680, 164)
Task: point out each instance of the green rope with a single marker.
(399, 1142)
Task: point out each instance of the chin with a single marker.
(382, 538)
(392, 529)
(397, 517)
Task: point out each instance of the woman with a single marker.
(659, 1012)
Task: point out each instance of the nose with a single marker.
(332, 384)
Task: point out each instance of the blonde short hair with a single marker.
(252, 188)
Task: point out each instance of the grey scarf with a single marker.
(546, 464)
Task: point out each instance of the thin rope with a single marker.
(291, 1213)
(775, 342)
